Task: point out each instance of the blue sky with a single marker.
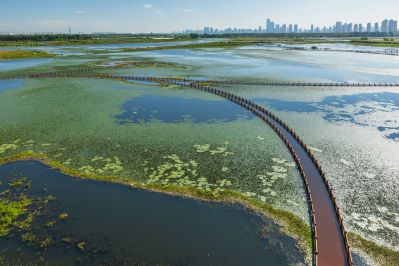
(170, 15)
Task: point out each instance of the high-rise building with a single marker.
(355, 28)
(376, 27)
(384, 25)
(350, 27)
(369, 27)
(290, 30)
(284, 28)
(360, 27)
(338, 26)
(270, 28)
(312, 28)
(393, 26)
(296, 28)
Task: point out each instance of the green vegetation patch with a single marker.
(380, 254)
(10, 211)
(22, 54)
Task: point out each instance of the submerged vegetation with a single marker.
(239, 161)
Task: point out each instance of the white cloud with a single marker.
(185, 10)
(160, 12)
(147, 6)
(80, 12)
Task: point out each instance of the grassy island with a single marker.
(22, 54)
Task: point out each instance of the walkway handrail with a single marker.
(260, 112)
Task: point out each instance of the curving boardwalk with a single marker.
(305, 84)
(331, 244)
(329, 237)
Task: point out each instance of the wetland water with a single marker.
(7, 65)
(112, 224)
(352, 131)
(6, 85)
(176, 109)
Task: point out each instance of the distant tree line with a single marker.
(44, 37)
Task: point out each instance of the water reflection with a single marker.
(177, 109)
(379, 110)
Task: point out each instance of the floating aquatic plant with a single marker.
(63, 216)
(10, 211)
(6, 147)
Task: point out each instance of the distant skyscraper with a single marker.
(384, 25)
(290, 28)
(338, 26)
(312, 28)
(284, 28)
(360, 28)
(206, 30)
(369, 27)
(393, 26)
(376, 27)
(356, 28)
(296, 28)
(270, 28)
(350, 27)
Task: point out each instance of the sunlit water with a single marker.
(354, 132)
(175, 109)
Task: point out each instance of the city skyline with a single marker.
(176, 15)
(385, 26)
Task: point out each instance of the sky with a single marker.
(137, 16)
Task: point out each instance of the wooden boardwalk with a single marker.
(329, 237)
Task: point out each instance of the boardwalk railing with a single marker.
(306, 84)
(258, 110)
(265, 115)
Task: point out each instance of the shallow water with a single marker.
(173, 109)
(271, 64)
(123, 225)
(7, 65)
(356, 108)
(6, 85)
(354, 135)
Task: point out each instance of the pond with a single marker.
(94, 223)
(174, 109)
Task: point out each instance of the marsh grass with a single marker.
(23, 54)
(380, 254)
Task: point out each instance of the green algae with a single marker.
(10, 211)
(81, 246)
(63, 216)
(380, 254)
(46, 242)
(205, 159)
